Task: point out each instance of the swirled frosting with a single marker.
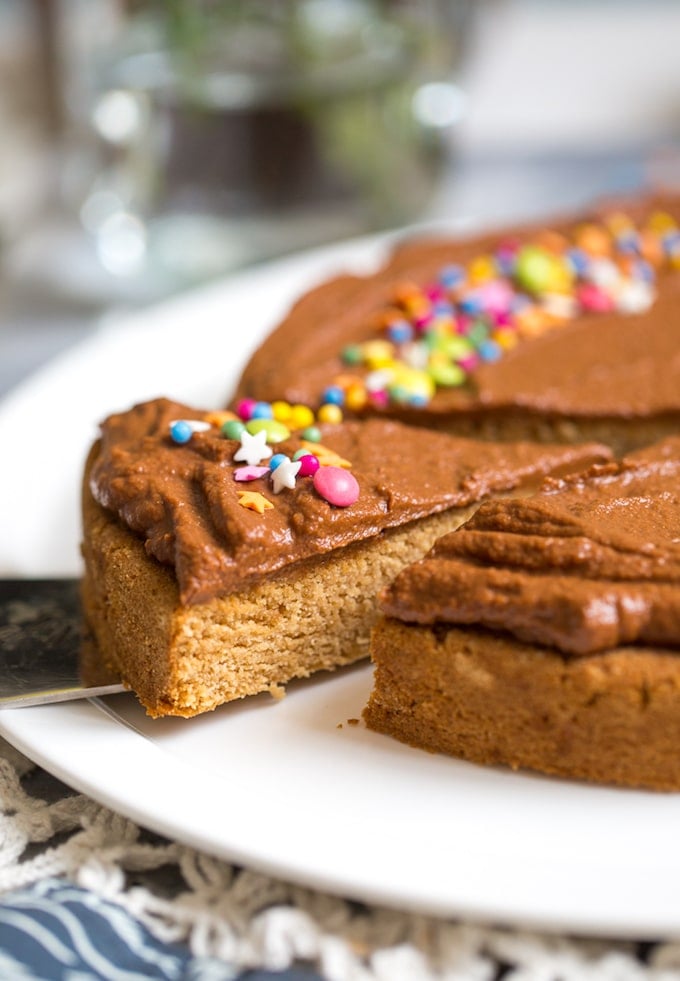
(590, 563)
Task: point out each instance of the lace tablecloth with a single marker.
(85, 893)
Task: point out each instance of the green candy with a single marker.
(275, 430)
(458, 347)
(312, 434)
(478, 333)
(233, 428)
(447, 375)
(537, 270)
(352, 354)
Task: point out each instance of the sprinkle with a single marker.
(219, 418)
(309, 463)
(254, 501)
(452, 276)
(325, 456)
(244, 409)
(250, 473)
(274, 431)
(262, 410)
(233, 428)
(277, 460)
(253, 449)
(282, 411)
(180, 431)
(284, 475)
(333, 395)
(330, 413)
(352, 354)
(312, 434)
(337, 486)
(301, 416)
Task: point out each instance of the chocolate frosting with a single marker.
(182, 498)
(597, 366)
(590, 563)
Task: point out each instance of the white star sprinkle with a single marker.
(253, 448)
(285, 474)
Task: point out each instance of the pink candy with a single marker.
(309, 464)
(244, 409)
(594, 298)
(250, 473)
(337, 486)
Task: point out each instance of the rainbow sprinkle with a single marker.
(435, 336)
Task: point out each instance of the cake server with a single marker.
(41, 645)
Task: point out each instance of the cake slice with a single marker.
(212, 573)
(564, 331)
(545, 633)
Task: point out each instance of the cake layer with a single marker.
(489, 698)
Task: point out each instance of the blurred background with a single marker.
(149, 147)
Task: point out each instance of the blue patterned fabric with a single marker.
(57, 932)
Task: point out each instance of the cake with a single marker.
(224, 558)
(545, 632)
(567, 331)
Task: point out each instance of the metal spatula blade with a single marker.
(41, 645)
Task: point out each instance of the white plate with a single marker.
(292, 788)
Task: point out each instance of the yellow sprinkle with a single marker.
(254, 501)
(377, 354)
(218, 418)
(282, 411)
(618, 223)
(329, 413)
(301, 416)
(482, 269)
(507, 339)
(661, 222)
(326, 457)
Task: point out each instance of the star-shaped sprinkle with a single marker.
(253, 449)
(285, 474)
(326, 457)
(254, 501)
(250, 473)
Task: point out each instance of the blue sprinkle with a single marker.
(578, 260)
(277, 459)
(452, 276)
(400, 332)
(644, 270)
(471, 304)
(490, 351)
(419, 401)
(628, 243)
(181, 431)
(262, 410)
(333, 395)
(671, 243)
(506, 262)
